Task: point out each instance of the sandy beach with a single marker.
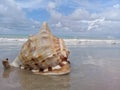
(92, 68)
(90, 29)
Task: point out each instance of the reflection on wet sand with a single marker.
(30, 81)
(6, 73)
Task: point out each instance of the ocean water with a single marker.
(6, 39)
(95, 65)
(69, 40)
(13, 36)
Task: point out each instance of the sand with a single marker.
(92, 68)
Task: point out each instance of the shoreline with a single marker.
(68, 42)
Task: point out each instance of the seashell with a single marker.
(22, 67)
(42, 52)
(64, 62)
(56, 67)
(45, 70)
(6, 64)
(35, 71)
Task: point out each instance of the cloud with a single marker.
(112, 13)
(37, 4)
(13, 19)
(51, 5)
(55, 16)
(29, 4)
(104, 22)
(79, 14)
(116, 6)
(84, 16)
(59, 24)
(95, 23)
(9, 9)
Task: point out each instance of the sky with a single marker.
(65, 17)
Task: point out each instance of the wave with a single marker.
(91, 42)
(69, 42)
(12, 39)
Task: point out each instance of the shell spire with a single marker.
(45, 27)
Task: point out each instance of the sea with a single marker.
(69, 40)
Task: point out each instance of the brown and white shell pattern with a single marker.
(43, 51)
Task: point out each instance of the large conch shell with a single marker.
(44, 54)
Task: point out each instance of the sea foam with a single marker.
(69, 42)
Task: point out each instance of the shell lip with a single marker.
(62, 71)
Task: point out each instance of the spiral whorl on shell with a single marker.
(44, 53)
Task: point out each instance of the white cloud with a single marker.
(116, 6)
(12, 18)
(79, 14)
(55, 15)
(85, 17)
(111, 13)
(8, 9)
(31, 4)
(81, 20)
(3, 9)
(59, 24)
(95, 23)
(51, 5)
(37, 4)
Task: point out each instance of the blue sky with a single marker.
(65, 17)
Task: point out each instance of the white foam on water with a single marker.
(90, 42)
(69, 42)
(12, 39)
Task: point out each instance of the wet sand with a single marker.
(92, 68)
